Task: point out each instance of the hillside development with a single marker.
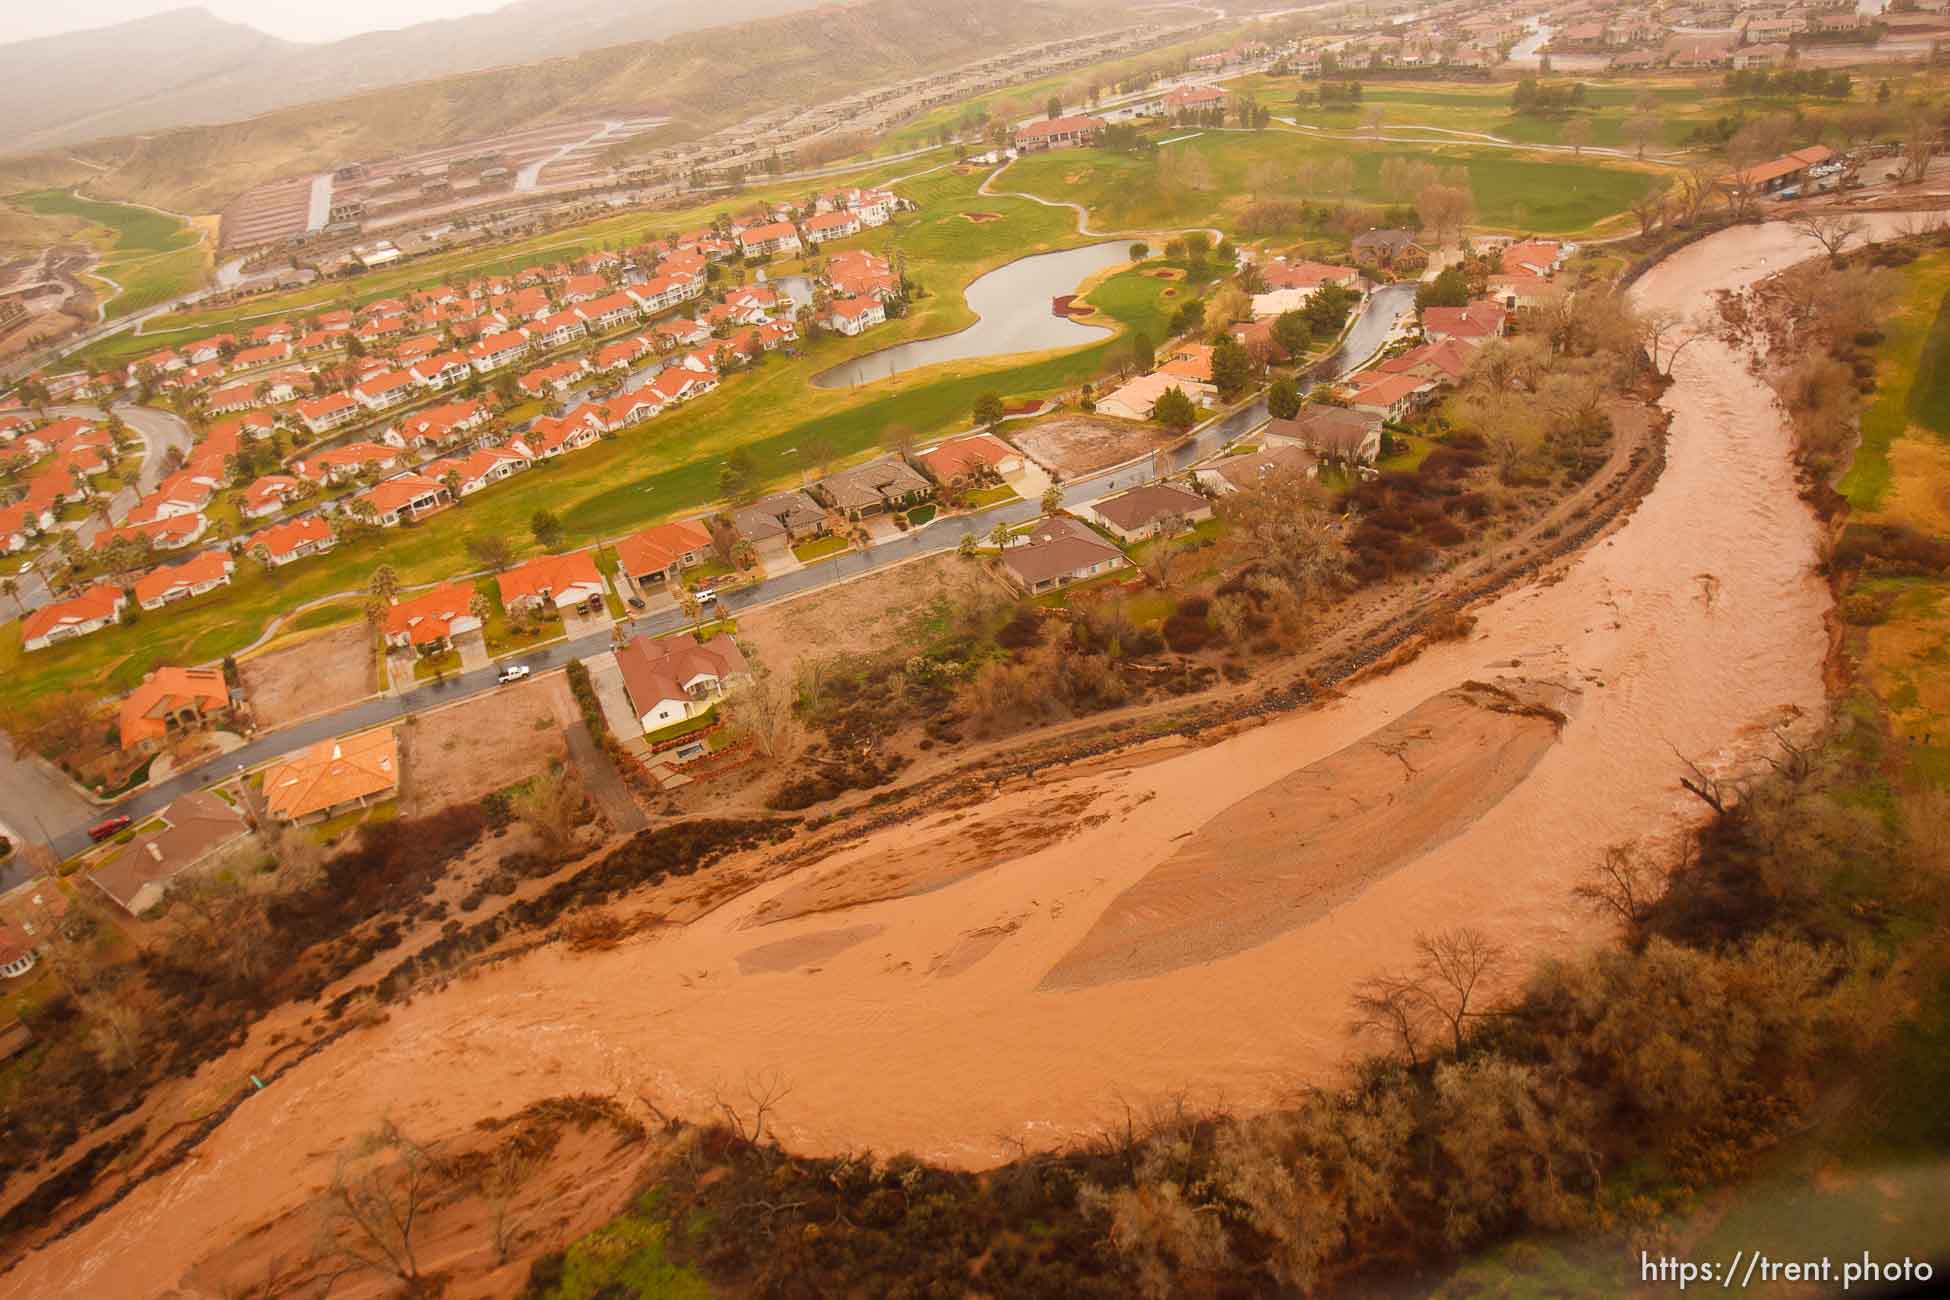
(1381, 737)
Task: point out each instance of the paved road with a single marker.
(160, 431)
(68, 825)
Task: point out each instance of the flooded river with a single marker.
(915, 1016)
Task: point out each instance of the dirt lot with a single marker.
(1075, 445)
(853, 618)
(325, 671)
(456, 754)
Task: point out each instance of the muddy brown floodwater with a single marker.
(899, 984)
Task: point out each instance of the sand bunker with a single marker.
(1287, 854)
(980, 218)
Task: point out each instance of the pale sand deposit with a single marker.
(933, 1034)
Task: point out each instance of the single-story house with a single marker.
(1063, 552)
(971, 458)
(429, 622)
(669, 679)
(1073, 132)
(1231, 474)
(1135, 400)
(407, 496)
(1329, 432)
(1145, 511)
(774, 523)
(63, 620)
(659, 553)
(205, 571)
(564, 581)
(334, 776)
(169, 701)
(284, 543)
(885, 483)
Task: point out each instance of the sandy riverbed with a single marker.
(900, 983)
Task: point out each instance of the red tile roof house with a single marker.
(324, 414)
(1069, 554)
(774, 238)
(1479, 321)
(64, 620)
(976, 458)
(442, 371)
(852, 316)
(1445, 362)
(235, 397)
(626, 409)
(293, 541)
(680, 384)
(831, 225)
(478, 469)
(384, 391)
(428, 623)
(624, 353)
(195, 828)
(409, 497)
(663, 291)
(201, 573)
(1058, 133)
(564, 581)
(674, 678)
(1391, 397)
(559, 330)
(342, 464)
(497, 350)
(611, 312)
(270, 354)
(659, 553)
(20, 523)
(548, 438)
(170, 700)
(1194, 97)
(1144, 511)
(440, 426)
(555, 379)
(169, 534)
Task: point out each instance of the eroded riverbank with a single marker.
(908, 1016)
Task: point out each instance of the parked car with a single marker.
(636, 602)
(512, 673)
(103, 829)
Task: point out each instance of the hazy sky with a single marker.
(295, 20)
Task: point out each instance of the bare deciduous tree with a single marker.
(746, 1115)
(1441, 992)
(1624, 884)
(1834, 231)
(380, 1191)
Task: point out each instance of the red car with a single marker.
(102, 830)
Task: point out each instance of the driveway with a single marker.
(36, 804)
(473, 651)
(607, 680)
(1030, 482)
(604, 785)
(399, 671)
(577, 624)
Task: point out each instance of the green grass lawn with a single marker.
(820, 548)
(151, 256)
(990, 496)
(1682, 105)
(1912, 377)
(1545, 193)
(664, 467)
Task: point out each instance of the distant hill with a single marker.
(188, 67)
(706, 78)
(82, 84)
